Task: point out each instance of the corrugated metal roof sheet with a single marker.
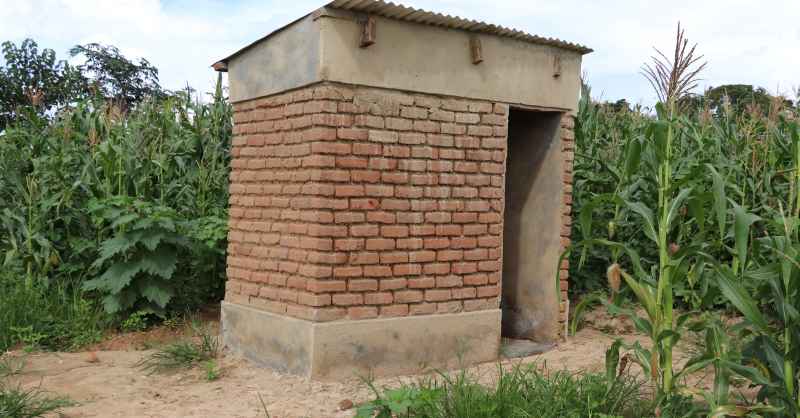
(400, 12)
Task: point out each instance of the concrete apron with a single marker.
(378, 347)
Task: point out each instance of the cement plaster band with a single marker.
(407, 56)
(372, 347)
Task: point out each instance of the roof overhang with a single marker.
(410, 14)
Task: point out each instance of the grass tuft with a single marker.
(58, 317)
(523, 391)
(197, 345)
(7, 367)
(16, 402)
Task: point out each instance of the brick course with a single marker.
(363, 202)
(567, 148)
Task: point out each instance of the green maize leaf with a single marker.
(589, 208)
(774, 359)
(720, 131)
(661, 111)
(633, 255)
(10, 257)
(641, 324)
(610, 171)
(682, 319)
(696, 327)
(697, 359)
(749, 373)
(675, 204)
(792, 316)
(696, 273)
(670, 337)
(612, 361)
(741, 227)
(778, 139)
(648, 225)
(660, 134)
(717, 345)
(719, 198)
(686, 371)
(698, 391)
(688, 177)
(652, 154)
(621, 295)
(645, 297)
(698, 211)
(634, 158)
(681, 265)
(577, 313)
(779, 297)
(735, 292)
(764, 272)
(643, 357)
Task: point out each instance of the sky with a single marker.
(743, 41)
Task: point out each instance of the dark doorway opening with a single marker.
(532, 226)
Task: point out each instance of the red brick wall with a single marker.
(363, 202)
(567, 147)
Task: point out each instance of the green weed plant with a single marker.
(525, 390)
(16, 402)
(197, 345)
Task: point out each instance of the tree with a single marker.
(739, 96)
(619, 106)
(115, 77)
(30, 78)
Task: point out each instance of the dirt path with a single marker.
(112, 387)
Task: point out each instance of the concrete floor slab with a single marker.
(511, 348)
(370, 347)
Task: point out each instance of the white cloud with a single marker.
(131, 53)
(744, 41)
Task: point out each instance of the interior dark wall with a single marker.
(532, 226)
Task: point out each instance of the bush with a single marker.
(136, 201)
(119, 204)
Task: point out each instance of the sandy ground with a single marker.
(112, 387)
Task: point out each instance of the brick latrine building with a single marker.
(401, 191)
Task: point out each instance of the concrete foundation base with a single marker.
(372, 347)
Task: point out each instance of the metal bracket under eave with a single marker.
(221, 66)
(367, 25)
(476, 49)
(557, 66)
(369, 31)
